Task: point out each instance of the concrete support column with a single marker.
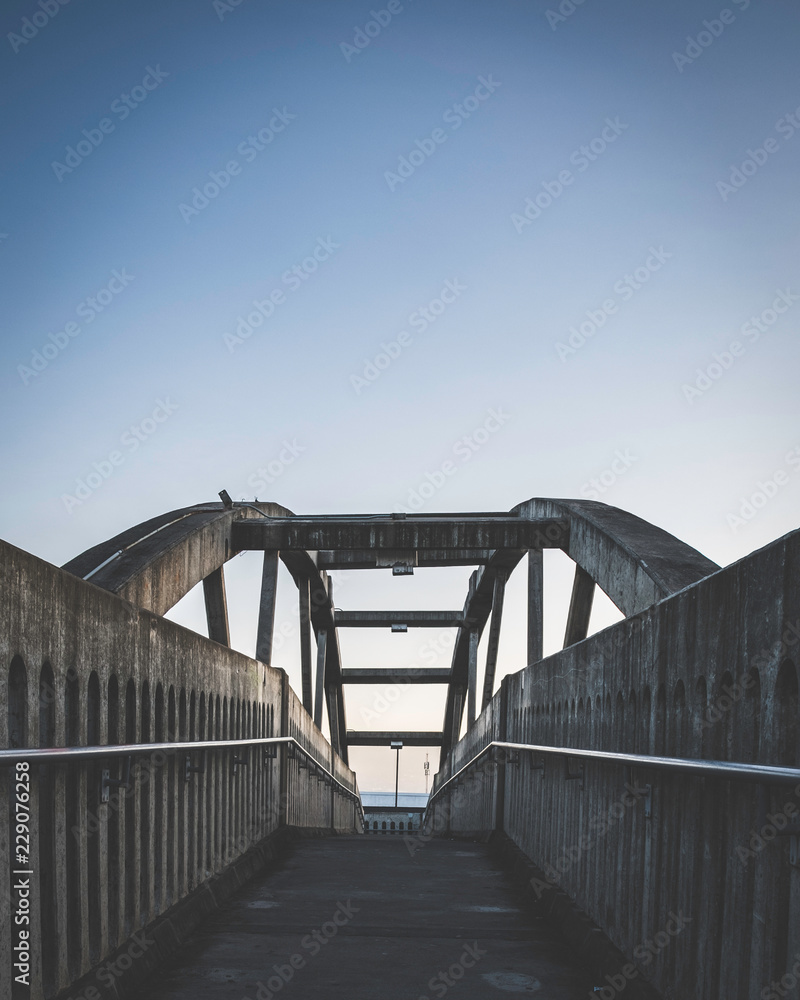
(266, 608)
(304, 592)
(580, 607)
(498, 593)
(472, 691)
(216, 607)
(535, 604)
(322, 646)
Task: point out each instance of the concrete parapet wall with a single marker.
(697, 881)
(82, 667)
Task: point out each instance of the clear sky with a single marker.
(580, 227)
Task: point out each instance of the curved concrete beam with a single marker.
(156, 563)
(634, 562)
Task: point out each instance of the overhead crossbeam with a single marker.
(396, 675)
(154, 564)
(385, 619)
(408, 739)
(369, 559)
(456, 533)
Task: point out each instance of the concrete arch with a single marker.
(633, 561)
(154, 564)
(157, 562)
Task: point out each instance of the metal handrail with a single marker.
(729, 770)
(55, 755)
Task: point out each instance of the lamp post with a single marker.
(398, 746)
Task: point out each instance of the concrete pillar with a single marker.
(498, 593)
(266, 608)
(472, 691)
(304, 591)
(580, 607)
(322, 644)
(216, 607)
(535, 605)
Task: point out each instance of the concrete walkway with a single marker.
(359, 918)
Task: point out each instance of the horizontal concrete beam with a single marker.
(355, 739)
(371, 559)
(384, 675)
(385, 619)
(458, 532)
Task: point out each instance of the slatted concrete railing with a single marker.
(148, 771)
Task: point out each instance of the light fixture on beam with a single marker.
(402, 569)
(399, 628)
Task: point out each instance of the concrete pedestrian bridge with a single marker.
(619, 818)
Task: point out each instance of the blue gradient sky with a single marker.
(691, 462)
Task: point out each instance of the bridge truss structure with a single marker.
(156, 563)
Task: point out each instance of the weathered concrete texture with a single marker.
(82, 666)
(155, 563)
(361, 918)
(710, 672)
(633, 561)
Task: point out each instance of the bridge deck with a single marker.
(359, 918)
